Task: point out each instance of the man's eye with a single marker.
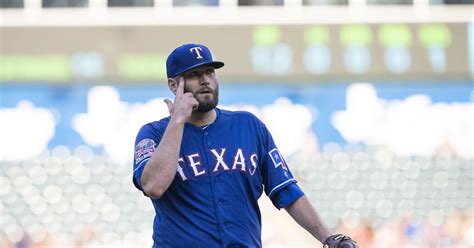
(192, 74)
(210, 71)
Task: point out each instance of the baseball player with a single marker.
(204, 168)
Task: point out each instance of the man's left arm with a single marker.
(306, 216)
(281, 187)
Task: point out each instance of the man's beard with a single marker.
(206, 105)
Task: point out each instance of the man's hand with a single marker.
(340, 241)
(183, 105)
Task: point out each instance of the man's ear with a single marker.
(172, 85)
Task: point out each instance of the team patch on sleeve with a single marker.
(277, 159)
(144, 149)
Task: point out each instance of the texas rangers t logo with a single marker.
(197, 50)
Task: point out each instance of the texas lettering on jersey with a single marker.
(238, 161)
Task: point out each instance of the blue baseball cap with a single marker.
(187, 57)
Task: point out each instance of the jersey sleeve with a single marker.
(146, 142)
(279, 183)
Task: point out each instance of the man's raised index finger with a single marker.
(180, 90)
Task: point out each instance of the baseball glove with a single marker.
(340, 241)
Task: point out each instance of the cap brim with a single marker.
(215, 64)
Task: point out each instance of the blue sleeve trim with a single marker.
(137, 174)
(287, 196)
(279, 186)
(140, 165)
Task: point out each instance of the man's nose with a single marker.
(204, 78)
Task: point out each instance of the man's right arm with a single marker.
(160, 170)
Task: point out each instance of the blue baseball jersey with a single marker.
(222, 171)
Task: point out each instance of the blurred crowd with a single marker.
(455, 231)
(64, 199)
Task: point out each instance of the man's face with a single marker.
(203, 84)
